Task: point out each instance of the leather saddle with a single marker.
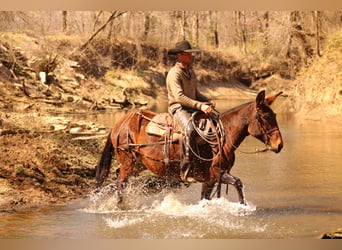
(160, 124)
(163, 122)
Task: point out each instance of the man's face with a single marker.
(185, 58)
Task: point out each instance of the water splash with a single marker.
(164, 203)
(189, 217)
(102, 201)
(124, 222)
(219, 206)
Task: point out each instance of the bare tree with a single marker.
(195, 28)
(64, 21)
(147, 25)
(318, 17)
(305, 31)
(266, 29)
(213, 33)
(241, 29)
(181, 18)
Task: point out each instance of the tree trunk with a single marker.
(266, 31)
(216, 35)
(147, 25)
(243, 30)
(181, 23)
(213, 33)
(64, 21)
(318, 16)
(196, 29)
(236, 38)
(110, 30)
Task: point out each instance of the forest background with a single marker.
(246, 46)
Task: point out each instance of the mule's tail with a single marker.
(102, 169)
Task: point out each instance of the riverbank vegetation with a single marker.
(122, 54)
(58, 62)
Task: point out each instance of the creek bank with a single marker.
(43, 168)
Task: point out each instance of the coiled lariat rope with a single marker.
(214, 138)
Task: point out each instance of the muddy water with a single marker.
(294, 194)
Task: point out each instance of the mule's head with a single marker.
(264, 124)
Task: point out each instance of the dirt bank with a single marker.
(317, 91)
(43, 168)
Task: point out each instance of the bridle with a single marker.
(264, 133)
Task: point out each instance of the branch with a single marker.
(97, 19)
(114, 15)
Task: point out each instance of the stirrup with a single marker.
(184, 175)
(188, 179)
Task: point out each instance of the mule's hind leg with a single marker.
(236, 182)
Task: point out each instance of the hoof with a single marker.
(243, 203)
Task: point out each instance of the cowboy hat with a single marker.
(183, 46)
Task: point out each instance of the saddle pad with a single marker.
(158, 124)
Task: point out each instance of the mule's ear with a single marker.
(269, 100)
(260, 98)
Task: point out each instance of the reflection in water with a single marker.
(293, 194)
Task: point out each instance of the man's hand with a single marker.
(207, 109)
(212, 103)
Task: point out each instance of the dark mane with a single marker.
(236, 108)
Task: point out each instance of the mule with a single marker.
(137, 149)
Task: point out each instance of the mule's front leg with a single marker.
(227, 178)
(207, 189)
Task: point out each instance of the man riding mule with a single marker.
(137, 149)
(142, 139)
(184, 99)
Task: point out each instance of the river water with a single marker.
(294, 194)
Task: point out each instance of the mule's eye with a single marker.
(266, 116)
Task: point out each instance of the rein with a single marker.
(244, 152)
